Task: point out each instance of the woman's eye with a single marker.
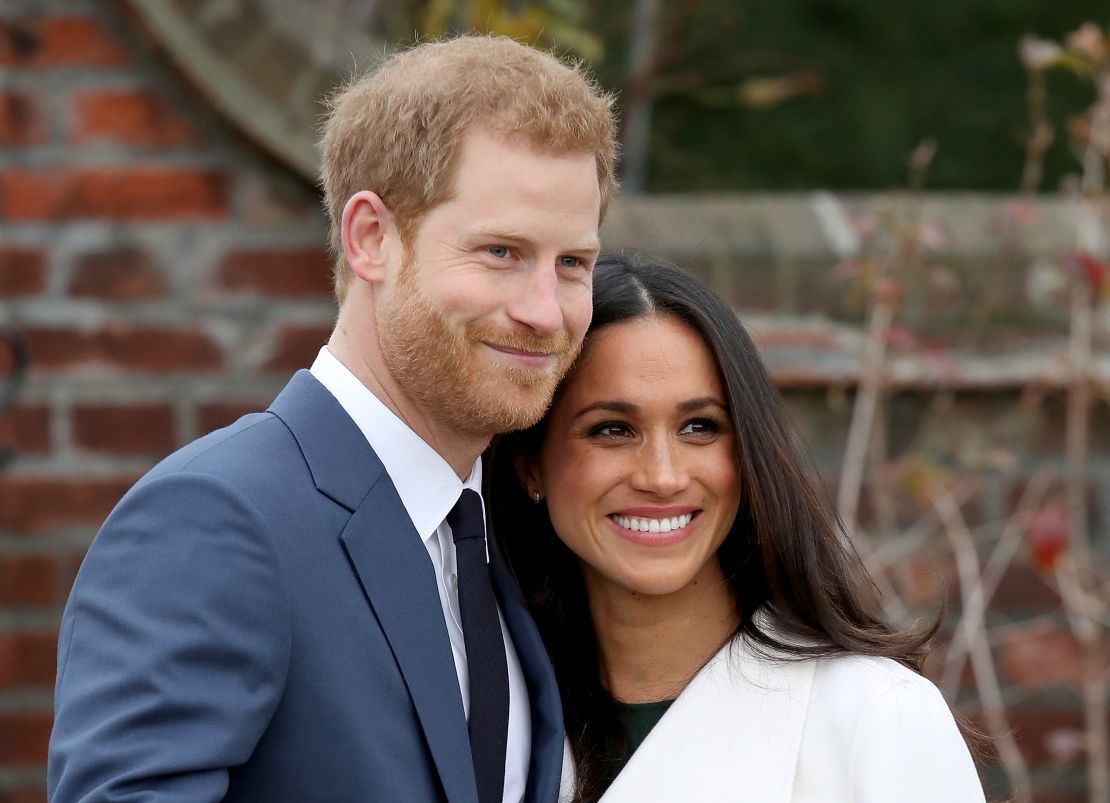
(700, 426)
(499, 251)
(610, 429)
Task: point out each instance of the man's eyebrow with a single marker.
(589, 247)
(592, 247)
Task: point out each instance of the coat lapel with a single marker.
(400, 583)
(733, 734)
(543, 693)
(392, 566)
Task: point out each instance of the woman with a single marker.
(713, 634)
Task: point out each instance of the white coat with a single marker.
(845, 729)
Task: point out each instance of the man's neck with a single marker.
(460, 450)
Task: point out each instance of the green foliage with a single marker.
(796, 94)
(548, 23)
(895, 73)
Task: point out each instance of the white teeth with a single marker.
(641, 525)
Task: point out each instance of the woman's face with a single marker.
(639, 463)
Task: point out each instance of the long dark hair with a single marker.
(785, 556)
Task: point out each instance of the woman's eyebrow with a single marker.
(610, 405)
(628, 408)
(697, 404)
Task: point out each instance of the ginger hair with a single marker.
(398, 129)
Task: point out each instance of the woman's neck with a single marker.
(650, 646)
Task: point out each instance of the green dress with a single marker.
(639, 718)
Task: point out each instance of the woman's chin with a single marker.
(652, 581)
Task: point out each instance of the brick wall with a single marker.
(170, 278)
(167, 278)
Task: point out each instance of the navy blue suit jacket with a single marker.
(258, 620)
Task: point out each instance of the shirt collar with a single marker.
(427, 485)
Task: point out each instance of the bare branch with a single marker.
(982, 662)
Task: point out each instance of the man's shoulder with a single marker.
(254, 441)
(256, 459)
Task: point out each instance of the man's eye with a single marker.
(569, 262)
(499, 251)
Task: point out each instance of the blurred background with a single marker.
(906, 203)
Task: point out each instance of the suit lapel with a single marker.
(733, 734)
(392, 566)
(400, 584)
(543, 694)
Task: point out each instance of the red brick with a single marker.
(69, 569)
(1061, 795)
(296, 347)
(274, 272)
(22, 121)
(36, 504)
(144, 193)
(132, 348)
(1024, 588)
(1043, 660)
(23, 794)
(58, 42)
(788, 378)
(126, 274)
(265, 202)
(28, 580)
(24, 737)
(27, 659)
(1038, 729)
(7, 363)
(22, 272)
(26, 429)
(125, 429)
(779, 338)
(220, 414)
(127, 117)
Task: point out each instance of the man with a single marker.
(299, 607)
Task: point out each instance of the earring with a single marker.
(536, 495)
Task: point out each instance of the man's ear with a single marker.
(369, 235)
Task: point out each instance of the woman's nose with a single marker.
(660, 470)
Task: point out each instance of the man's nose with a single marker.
(537, 305)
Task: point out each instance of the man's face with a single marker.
(490, 306)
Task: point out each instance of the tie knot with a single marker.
(466, 518)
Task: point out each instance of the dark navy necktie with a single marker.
(485, 648)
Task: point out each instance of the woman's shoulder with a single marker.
(861, 679)
(850, 675)
(865, 700)
(874, 724)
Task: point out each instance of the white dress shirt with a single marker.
(429, 489)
